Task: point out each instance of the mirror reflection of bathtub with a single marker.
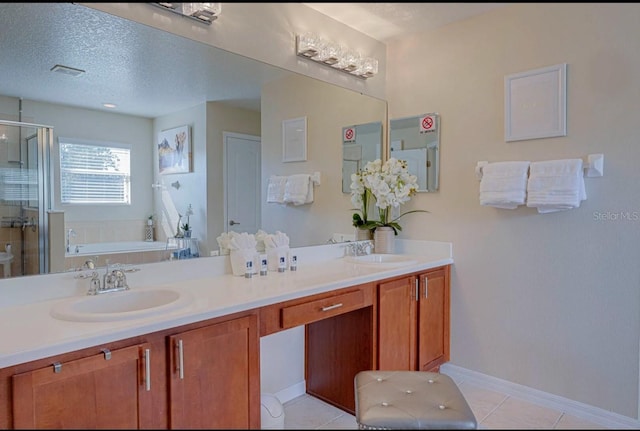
(124, 252)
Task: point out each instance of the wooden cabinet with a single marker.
(413, 321)
(214, 379)
(340, 329)
(201, 375)
(108, 390)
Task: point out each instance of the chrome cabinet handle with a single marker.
(426, 287)
(331, 307)
(147, 369)
(180, 359)
(417, 289)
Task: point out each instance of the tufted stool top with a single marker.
(410, 400)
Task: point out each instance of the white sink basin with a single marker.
(112, 306)
(376, 259)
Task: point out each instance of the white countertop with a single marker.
(29, 332)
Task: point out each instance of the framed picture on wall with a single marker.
(294, 140)
(536, 103)
(174, 151)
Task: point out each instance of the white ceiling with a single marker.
(386, 21)
(161, 72)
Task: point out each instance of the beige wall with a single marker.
(550, 301)
(266, 32)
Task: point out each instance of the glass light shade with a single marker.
(329, 53)
(308, 44)
(203, 11)
(351, 61)
(369, 67)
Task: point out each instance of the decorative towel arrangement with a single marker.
(504, 184)
(556, 185)
(275, 189)
(276, 246)
(242, 249)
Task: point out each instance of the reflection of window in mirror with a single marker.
(361, 143)
(417, 141)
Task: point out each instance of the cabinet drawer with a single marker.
(312, 311)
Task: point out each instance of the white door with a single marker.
(242, 182)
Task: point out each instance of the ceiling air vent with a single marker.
(67, 70)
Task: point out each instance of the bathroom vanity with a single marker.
(197, 365)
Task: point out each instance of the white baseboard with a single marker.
(291, 392)
(593, 414)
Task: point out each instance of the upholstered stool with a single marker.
(410, 400)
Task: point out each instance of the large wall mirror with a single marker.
(417, 140)
(160, 81)
(361, 143)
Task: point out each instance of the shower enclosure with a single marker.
(25, 179)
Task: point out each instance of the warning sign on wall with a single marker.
(428, 124)
(348, 134)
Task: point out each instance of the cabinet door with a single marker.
(397, 324)
(215, 376)
(433, 320)
(108, 390)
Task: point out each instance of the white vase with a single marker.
(363, 234)
(384, 238)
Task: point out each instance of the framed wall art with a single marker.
(294, 140)
(174, 150)
(536, 103)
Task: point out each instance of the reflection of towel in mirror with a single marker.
(275, 190)
(296, 190)
(504, 184)
(556, 185)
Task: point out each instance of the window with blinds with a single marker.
(94, 173)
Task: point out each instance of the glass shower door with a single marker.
(24, 198)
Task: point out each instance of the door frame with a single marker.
(225, 171)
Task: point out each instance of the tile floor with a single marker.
(493, 410)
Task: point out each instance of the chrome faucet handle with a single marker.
(120, 279)
(351, 249)
(366, 247)
(94, 287)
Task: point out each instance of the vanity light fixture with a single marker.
(340, 57)
(202, 12)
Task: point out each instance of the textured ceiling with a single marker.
(149, 72)
(145, 71)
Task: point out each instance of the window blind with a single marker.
(96, 174)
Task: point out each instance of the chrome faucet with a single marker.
(359, 248)
(70, 233)
(112, 281)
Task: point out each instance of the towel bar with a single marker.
(593, 167)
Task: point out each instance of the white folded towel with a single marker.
(296, 189)
(504, 184)
(275, 189)
(556, 185)
(277, 247)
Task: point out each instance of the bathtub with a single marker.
(100, 248)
